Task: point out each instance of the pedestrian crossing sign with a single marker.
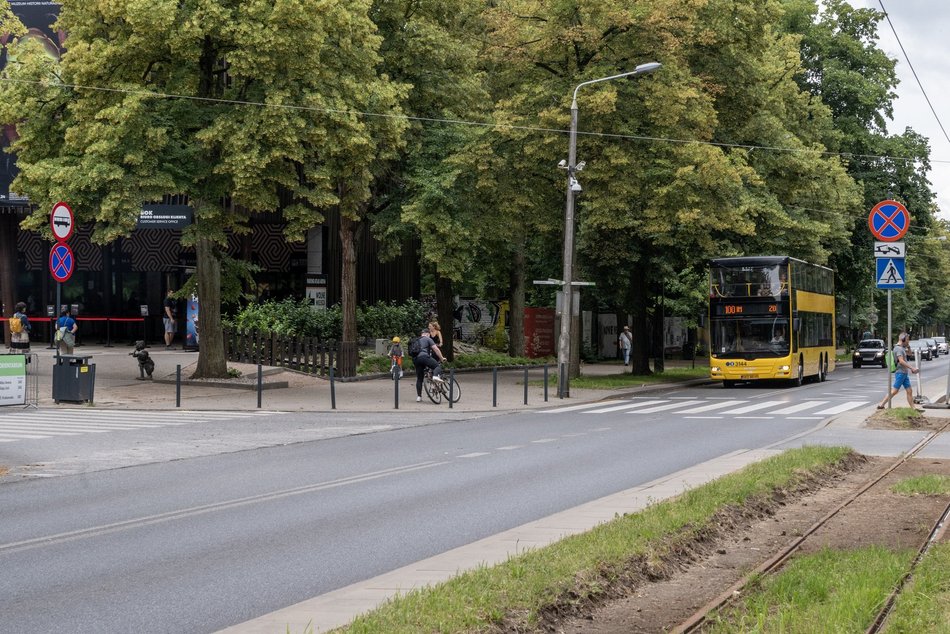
(891, 273)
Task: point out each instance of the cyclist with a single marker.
(395, 354)
(428, 353)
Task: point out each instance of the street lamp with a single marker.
(573, 186)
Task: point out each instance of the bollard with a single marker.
(560, 381)
(526, 386)
(494, 387)
(396, 390)
(545, 382)
(451, 387)
(260, 384)
(332, 390)
(178, 385)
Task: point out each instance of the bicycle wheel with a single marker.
(456, 390)
(394, 372)
(432, 390)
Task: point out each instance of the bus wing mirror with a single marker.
(797, 324)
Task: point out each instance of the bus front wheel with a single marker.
(824, 370)
(800, 378)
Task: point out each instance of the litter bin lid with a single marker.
(76, 357)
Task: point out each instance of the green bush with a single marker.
(296, 318)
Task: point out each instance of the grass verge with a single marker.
(829, 591)
(924, 606)
(613, 381)
(517, 594)
(930, 484)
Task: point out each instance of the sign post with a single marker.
(62, 263)
(888, 221)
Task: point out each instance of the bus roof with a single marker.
(758, 260)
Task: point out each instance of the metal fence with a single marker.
(304, 354)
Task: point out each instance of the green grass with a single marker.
(829, 591)
(924, 605)
(901, 415)
(613, 381)
(931, 484)
(518, 590)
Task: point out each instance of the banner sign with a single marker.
(164, 217)
(12, 379)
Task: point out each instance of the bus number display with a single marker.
(747, 309)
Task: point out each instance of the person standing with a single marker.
(625, 343)
(168, 318)
(66, 328)
(20, 329)
(436, 333)
(426, 358)
(902, 374)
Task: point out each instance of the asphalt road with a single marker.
(193, 543)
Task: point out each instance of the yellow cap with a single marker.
(395, 339)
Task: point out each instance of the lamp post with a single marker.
(567, 308)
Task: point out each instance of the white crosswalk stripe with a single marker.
(39, 424)
(722, 408)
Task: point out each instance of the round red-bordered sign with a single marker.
(889, 220)
(61, 222)
(61, 262)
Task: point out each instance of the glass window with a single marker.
(739, 338)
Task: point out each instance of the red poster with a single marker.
(539, 332)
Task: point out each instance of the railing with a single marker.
(304, 354)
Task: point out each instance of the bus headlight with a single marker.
(715, 369)
(784, 368)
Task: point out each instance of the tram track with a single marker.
(774, 564)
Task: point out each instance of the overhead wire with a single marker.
(913, 71)
(464, 122)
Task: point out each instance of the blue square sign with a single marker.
(890, 273)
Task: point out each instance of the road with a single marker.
(193, 543)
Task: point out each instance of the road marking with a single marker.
(541, 440)
(477, 454)
(708, 408)
(509, 448)
(799, 407)
(148, 520)
(572, 408)
(662, 408)
(844, 407)
(805, 417)
(705, 417)
(617, 408)
(753, 408)
(753, 417)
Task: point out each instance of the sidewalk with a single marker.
(117, 387)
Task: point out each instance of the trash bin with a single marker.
(74, 378)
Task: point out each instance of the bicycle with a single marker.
(436, 390)
(395, 370)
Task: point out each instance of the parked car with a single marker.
(869, 352)
(918, 346)
(942, 345)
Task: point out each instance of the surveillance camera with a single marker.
(576, 186)
(562, 164)
(580, 166)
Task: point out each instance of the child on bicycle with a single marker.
(395, 353)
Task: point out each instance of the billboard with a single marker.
(38, 16)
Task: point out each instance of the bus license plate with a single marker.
(747, 376)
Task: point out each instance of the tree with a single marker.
(236, 104)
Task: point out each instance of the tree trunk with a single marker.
(349, 349)
(211, 361)
(640, 354)
(8, 233)
(445, 308)
(516, 343)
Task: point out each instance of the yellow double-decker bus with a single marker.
(770, 317)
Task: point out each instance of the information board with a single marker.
(12, 379)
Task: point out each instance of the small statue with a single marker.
(146, 365)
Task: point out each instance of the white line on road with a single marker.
(799, 407)
(752, 408)
(617, 408)
(844, 407)
(476, 454)
(509, 447)
(661, 408)
(708, 408)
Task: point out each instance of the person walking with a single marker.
(20, 329)
(66, 328)
(426, 358)
(902, 374)
(169, 307)
(625, 343)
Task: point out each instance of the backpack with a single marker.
(889, 358)
(16, 325)
(415, 347)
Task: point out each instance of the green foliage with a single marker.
(493, 359)
(298, 318)
(930, 484)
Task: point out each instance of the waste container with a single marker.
(74, 378)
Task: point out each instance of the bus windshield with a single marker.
(748, 281)
(746, 338)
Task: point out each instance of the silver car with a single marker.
(942, 345)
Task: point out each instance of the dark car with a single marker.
(934, 347)
(869, 352)
(919, 346)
